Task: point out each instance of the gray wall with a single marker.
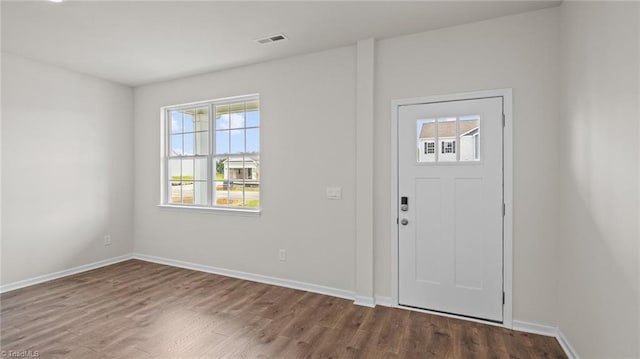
(307, 144)
(599, 279)
(67, 169)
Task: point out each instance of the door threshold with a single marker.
(453, 316)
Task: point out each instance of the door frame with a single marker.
(507, 163)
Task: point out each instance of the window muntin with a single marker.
(212, 154)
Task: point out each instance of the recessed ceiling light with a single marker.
(56, 0)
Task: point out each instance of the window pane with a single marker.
(253, 114)
(221, 193)
(426, 130)
(188, 142)
(176, 145)
(200, 193)
(200, 170)
(222, 142)
(252, 167)
(252, 195)
(187, 170)
(219, 168)
(188, 117)
(176, 192)
(253, 140)
(187, 192)
(175, 168)
(234, 168)
(222, 117)
(469, 138)
(202, 143)
(236, 192)
(201, 121)
(237, 141)
(237, 115)
(447, 134)
(176, 121)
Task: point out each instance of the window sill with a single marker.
(224, 211)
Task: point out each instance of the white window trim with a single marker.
(220, 210)
(164, 146)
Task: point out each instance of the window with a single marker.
(448, 147)
(429, 148)
(448, 139)
(211, 154)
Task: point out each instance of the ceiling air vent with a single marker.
(273, 38)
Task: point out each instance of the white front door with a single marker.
(450, 207)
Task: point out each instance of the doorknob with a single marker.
(404, 221)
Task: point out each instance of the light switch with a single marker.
(334, 192)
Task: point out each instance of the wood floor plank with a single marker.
(543, 347)
(440, 343)
(136, 309)
(516, 344)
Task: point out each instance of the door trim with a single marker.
(507, 162)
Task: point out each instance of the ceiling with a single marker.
(142, 42)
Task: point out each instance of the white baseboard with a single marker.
(364, 301)
(566, 346)
(334, 292)
(535, 328)
(384, 301)
(67, 272)
(548, 331)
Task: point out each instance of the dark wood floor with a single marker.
(136, 309)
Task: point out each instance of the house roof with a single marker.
(447, 128)
(240, 159)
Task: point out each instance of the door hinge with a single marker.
(397, 220)
(503, 298)
(504, 210)
(504, 120)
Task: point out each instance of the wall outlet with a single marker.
(107, 240)
(282, 255)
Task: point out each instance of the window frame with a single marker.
(211, 156)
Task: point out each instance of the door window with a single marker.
(458, 139)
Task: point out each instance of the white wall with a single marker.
(599, 280)
(66, 169)
(308, 143)
(519, 52)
